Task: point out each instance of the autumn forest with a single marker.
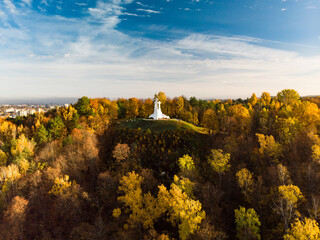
(218, 169)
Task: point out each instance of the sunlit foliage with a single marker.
(183, 210)
(307, 229)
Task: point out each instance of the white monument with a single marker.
(157, 114)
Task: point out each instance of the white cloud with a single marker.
(44, 2)
(81, 4)
(10, 6)
(130, 14)
(238, 69)
(283, 9)
(3, 15)
(66, 57)
(27, 2)
(147, 10)
(141, 4)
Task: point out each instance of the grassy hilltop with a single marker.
(160, 125)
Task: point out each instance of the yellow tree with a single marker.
(253, 99)
(64, 188)
(161, 96)
(69, 116)
(186, 165)
(307, 229)
(182, 209)
(239, 120)
(315, 153)
(287, 129)
(180, 105)
(309, 115)
(245, 181)
(210, 121)
(287, 202)
(269, 148)
(133, 110)
(147, 108)
(288, 96)
(144, 208)
(22, 148)
(184, 184)
(8, 132)
(8, 177)
(265, 99)
(219, 162)
(3, 158)
(283, 174)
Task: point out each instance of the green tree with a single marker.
(42, 135)
(56, 128)
(83, 106)
(247, 224)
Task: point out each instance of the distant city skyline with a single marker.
(126, 48)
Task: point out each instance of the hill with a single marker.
(160, 125)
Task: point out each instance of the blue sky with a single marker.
(128, 48)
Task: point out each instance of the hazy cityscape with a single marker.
(23, 110)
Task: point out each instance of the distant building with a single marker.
(9, 110)
(32, 111)
(157, 113)
(22, 113)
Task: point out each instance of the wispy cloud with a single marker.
(81, 4)
(27, 2)
(130, 14)
(147, 10)
(141, 4)
(10, 6)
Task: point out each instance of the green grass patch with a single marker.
(161, 125)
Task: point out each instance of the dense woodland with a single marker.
(85, 172)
